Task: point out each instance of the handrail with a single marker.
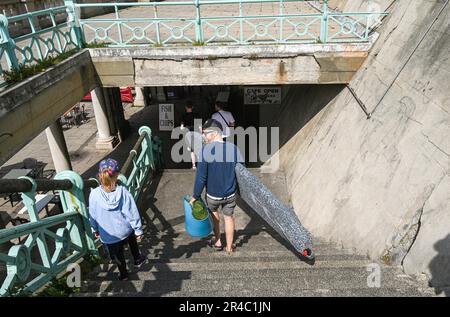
(142, 158)
(76, 239)
(37, 13)
(24, 185)
(23, 229)
(126, 166)
(172, 3)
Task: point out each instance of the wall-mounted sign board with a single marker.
(262, 95)
(166, 117)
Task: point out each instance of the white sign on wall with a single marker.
(262, 95)
(166, 117)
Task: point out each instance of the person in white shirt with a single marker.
(225, 118)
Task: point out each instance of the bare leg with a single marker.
(229, 231)
(193, 159)
(216, 221)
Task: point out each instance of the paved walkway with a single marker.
(80, 142)
(81, 145)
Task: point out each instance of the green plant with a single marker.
(59, 288)
(95, 44)
(197, 43)
(27, 70)
(90, 261)
(18, 290)
(386, 258)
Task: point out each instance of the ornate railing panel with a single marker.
(187, 22)
(43, 248)
(47, 250)
(38, 44)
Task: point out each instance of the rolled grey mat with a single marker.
(280, 217)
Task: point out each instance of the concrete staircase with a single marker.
(264, 265)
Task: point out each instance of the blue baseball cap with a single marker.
(109, 165)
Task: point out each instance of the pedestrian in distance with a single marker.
(187, 122)
(225, 118)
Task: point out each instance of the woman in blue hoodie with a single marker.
(114, 216)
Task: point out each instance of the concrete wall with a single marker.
(237, 65)
(27, 108)
(380, 185)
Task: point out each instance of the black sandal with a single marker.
(212, 244)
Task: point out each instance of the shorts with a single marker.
(227, 205)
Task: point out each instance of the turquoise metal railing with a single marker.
(38, 44)
(190, 24)
(54, 242)
(183, 22)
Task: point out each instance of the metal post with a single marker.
(74, 200)
(33, 30)
(158, 36)
(8, 43)
(58, 39)
(73, 19)
(119, 25)
(281, 18)
(324, 24)
(147, 145)
(29, 200)
(366, 33)
(198, 24)
(241, 22)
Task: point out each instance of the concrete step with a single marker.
(244, 257)
(354, 292)
(164, 253)
(214, 274)
(281, 280)
(254, 244)
(249, 264)
(241, 239)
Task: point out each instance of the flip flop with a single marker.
(212, 244)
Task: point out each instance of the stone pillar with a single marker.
(118, 124)
(140, 99)
(123, 126)
(58, 147)
(160, 94)
(153, 95)
(105, 140)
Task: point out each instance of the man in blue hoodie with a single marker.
(216, 172)
(114, 216)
